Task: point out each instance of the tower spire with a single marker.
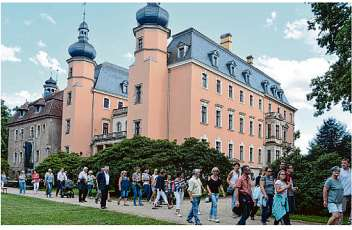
(84, 11)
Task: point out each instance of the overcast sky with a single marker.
(35, 38)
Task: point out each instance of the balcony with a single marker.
(120, 112)
(274, 115)
(273, 140)
(109, 137)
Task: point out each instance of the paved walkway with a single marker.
(224, 209)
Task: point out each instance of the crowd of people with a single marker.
(271, 192)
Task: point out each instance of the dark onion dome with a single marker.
(50, 81)
(82, 48)
(152, 14)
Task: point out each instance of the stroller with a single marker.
(68, 189)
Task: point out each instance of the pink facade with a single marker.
(176, 100)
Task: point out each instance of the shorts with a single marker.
(153, 188)
(333, 207)
(346, 201)
(124, 194)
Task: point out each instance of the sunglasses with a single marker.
(269, 171)
(282, 174)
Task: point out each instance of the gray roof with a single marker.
(109, 78)
(200, 47)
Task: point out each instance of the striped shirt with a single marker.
(180, 185)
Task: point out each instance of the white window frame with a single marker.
(104, 103)
(16, 134)
(204, 137)
(205, 104)
(243, 153)
(260, 132)
(244, 98)
(260, 104)
(204, 74)
(228, 91)
(32, 135)
(233, 119)
(244, 124)
(249, 153)
(253, 125)
(218, 140)
(260, 160)
(217, 108)
(251, 102)
(216, 86)
(230, 155)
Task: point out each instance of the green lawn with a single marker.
(19, 210)
(315, 219)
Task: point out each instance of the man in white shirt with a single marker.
(61, 177)
(82, 185)
(345, 179)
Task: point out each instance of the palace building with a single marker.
(191, 86)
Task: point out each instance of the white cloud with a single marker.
(9, 53)
(270, 21)
(298, 30)
(28, 22)
(47, 17)
(41, 44)
(295, 77)
(42, 58)
(19, 98)
(129, 56)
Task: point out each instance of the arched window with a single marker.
(119, 127)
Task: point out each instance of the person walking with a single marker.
(333, 196)
(244, 194)
(82, 185)
(160, 189)
(124, 185)
(147, 190)
(257, 194)
(22, 182)
(98, 195)
(280, 203)
(90, 183)
(3, 179)
(35, 181)
(195, 192)
(169, 189)
(137, 186)
(231, 181)
(179, 188)
(214, 184)
(153, 183)
(268, 190)
(345, 179)
(103, 179)
(291, 191)
(49, 182)
(60, 179)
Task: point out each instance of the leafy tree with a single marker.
(333, 20)
(71, 162)
(5, 165)
(147, 153)
(332, 136)
(5, 117)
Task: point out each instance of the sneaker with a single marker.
(179, 215)
(141, 205)
(190, 221)
(198, 212)
(252, 217)
(210, 219)
(217, 221)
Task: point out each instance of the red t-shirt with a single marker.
(35, 177)
(244, 184)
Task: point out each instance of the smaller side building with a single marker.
(35, 130)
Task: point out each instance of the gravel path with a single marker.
(224, 209)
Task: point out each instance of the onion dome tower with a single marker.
(152, 14)
(82, 48)
(50, 87)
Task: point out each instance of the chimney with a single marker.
(226, 41)
(250, 59)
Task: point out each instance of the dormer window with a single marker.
(280, 93)
(246, 74)
(22, 113)
(181, 50)
(214, 58)
(274, 90)
(38, 108)
(265, 85)
(124, 86)
(231, 67)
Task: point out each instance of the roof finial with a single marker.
(84, 11)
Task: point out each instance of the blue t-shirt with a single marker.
(335, 190)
